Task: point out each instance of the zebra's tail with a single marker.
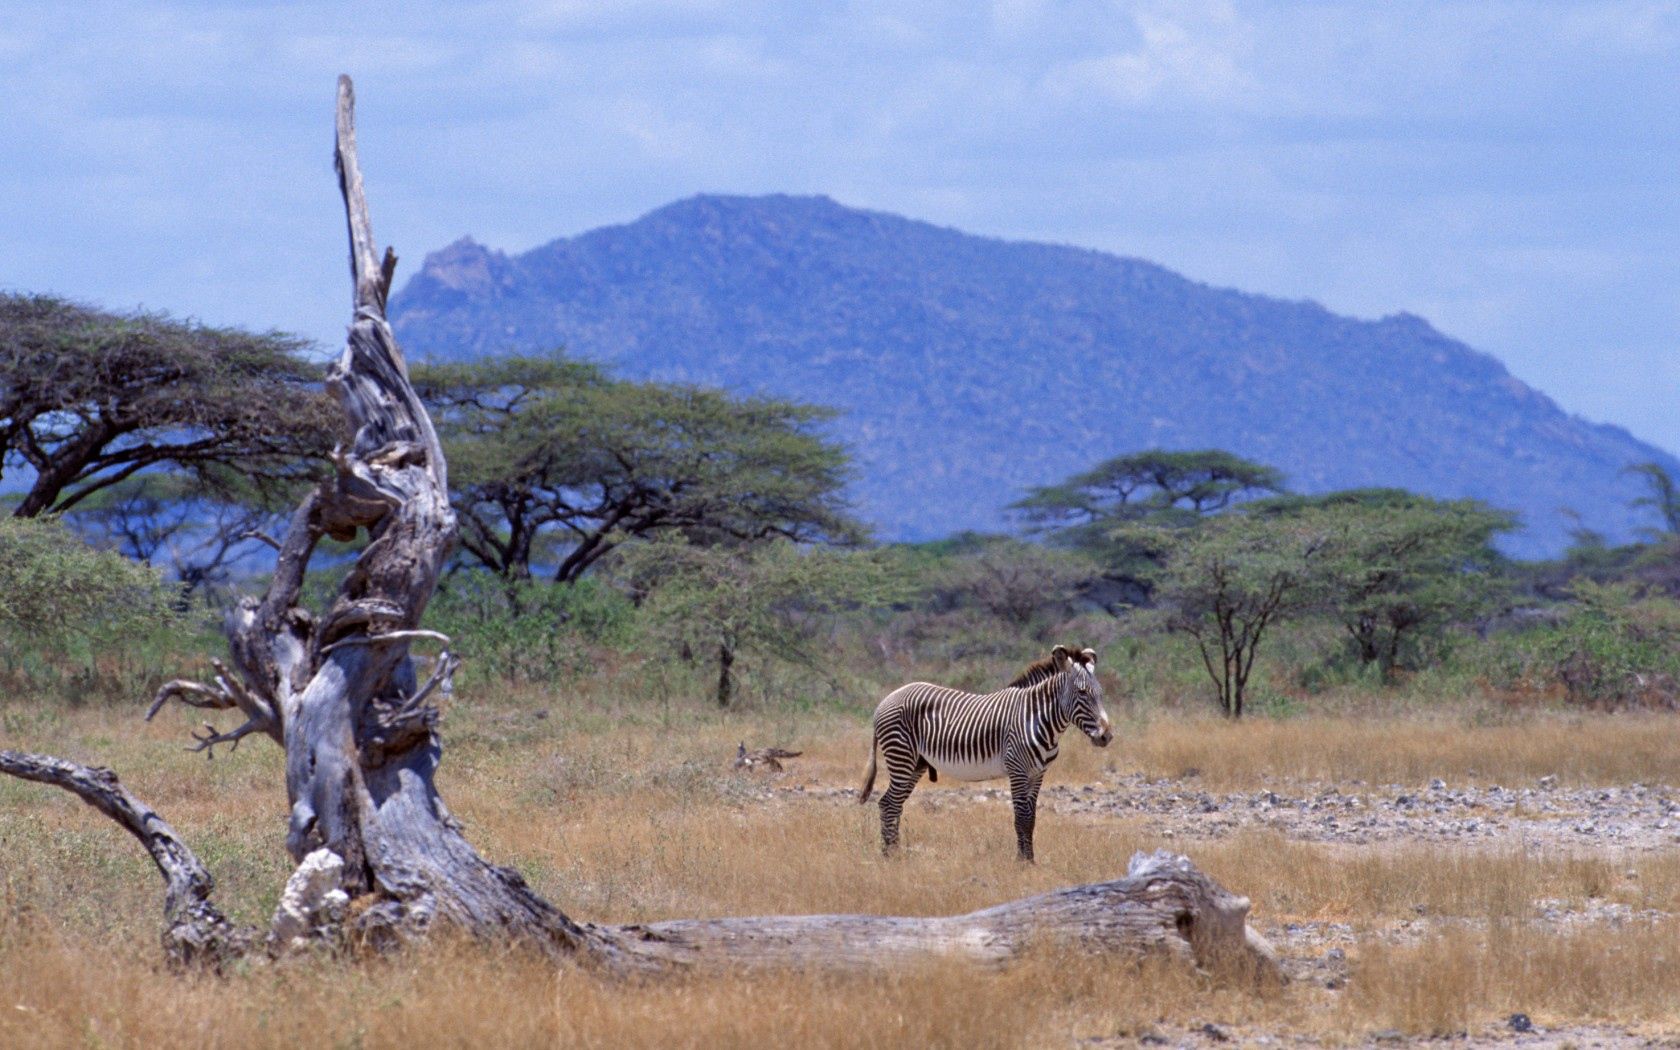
(868, 775)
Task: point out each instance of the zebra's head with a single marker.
(1081, 694)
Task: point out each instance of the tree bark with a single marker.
(339, 692)
(1163, 905)
(726, 678)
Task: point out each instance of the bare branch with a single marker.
(193, 694)
(228, 692)
(257, 534)
(386, 638)
(197, 933)
(443, 675)
(210, 738)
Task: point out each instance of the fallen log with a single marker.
(1163, 906)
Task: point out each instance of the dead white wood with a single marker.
(1163, 905)
(195, 932)
(339, 692)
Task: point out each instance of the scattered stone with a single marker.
(1519, 1023)
(1547, 783)
(1214, 1032)
(1437, 785)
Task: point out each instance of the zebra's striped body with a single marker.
(1012, 733)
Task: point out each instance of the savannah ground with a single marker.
(1424, 871)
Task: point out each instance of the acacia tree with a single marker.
(1399, 567)
(554, 460)
(762, 599)
(200, 525)
(1155, 485)
(89, 398)
(1096, 510)
(338, 691)
(1229, 580)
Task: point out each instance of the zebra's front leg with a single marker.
(892, 807)
(1023, 795)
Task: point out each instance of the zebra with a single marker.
(971, 736)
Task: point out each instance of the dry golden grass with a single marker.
(1628, 974)
(71, 994)
(621, 820)
(1298, 881)
(1576, 749)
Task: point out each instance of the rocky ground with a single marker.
(1543, 816)
(1619, 821)
(1628, 819)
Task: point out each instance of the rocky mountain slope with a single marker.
(969, 368)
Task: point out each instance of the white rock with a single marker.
(310, 901)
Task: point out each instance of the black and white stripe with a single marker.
(1014, 732)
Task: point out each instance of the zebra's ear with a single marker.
(1090, 656)
(1061, 657)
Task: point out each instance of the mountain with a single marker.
(969, 368)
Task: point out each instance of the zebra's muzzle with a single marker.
(1104, 738)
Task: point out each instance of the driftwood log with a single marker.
(340, 693)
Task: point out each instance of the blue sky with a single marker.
(1509, 170)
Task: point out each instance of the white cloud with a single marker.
(1184, 52)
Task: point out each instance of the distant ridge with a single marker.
(970, 368)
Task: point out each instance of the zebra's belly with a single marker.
(968, 769)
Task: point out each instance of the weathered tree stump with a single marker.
(338, 691)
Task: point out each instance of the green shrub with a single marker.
(1611, 648)
(529, 631)
(80, 621)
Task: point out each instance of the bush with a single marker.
(529, 631)
(1611, 648)
(75, 617)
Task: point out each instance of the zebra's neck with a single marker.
(1044, 710)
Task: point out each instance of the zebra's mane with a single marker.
(1039, 670)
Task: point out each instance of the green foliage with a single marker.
(1663, 495)
(87, 398)
(74, 615)
(52, 585)
(1397, 568)
(1226, 581)
(1024, 585)
(1613, 647)
(716, 603)
(529, 630)
(553, 461)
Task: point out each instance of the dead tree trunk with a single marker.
(1163, 905)
(339, 692)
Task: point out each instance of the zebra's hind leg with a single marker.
(1023, 796)
(892, 805)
